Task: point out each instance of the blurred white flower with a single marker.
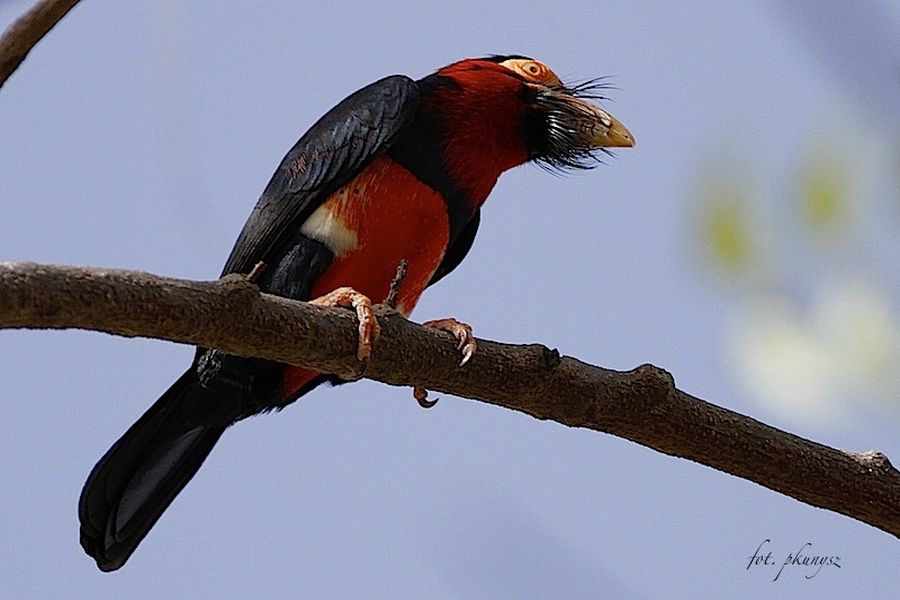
(824, 362)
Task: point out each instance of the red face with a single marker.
(506, 111)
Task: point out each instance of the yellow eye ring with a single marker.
(533, 71)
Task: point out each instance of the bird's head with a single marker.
(567, 127)
(559, 126)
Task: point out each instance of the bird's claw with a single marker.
(365, 312)
(462, 332)
(421, 396)
(465, 345)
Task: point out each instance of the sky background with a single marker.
(139, 135)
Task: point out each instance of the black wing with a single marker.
(334, 150)
(457, 252)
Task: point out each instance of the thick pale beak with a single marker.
(602, 130)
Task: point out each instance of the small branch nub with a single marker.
(391, 299)
(256, 272)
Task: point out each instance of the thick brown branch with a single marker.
(20, 37)
(642, 405)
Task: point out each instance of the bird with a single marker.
(396, 172)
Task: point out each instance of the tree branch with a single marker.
(642, 405)
(20, 37)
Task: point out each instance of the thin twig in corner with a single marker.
(20, 37)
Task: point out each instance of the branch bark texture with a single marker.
(642, 405)
(20, 37)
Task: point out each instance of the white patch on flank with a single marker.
(324, 227)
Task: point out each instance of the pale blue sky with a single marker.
(139, 135)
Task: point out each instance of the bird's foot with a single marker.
(466, 346)
(368, 325)
(461, 331)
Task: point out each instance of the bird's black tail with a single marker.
(141, 474)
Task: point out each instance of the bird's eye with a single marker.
(534, 71)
